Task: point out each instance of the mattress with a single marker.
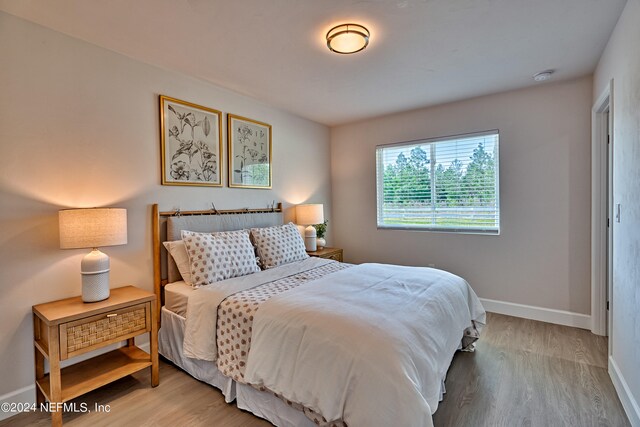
(176, 297)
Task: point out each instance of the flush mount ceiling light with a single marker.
(347, 38)
(543, 75)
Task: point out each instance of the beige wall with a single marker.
(79, 128)
(621, 62)
(542, 256)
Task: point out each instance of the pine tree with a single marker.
(479, 179)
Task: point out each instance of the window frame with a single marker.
(379, 184)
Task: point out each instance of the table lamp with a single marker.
(309, 215)
(93, 228)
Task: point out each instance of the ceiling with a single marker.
(421, 52)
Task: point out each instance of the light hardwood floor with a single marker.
(523, 373)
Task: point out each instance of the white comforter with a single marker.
(369, 344)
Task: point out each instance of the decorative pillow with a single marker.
(278, 245)
(218, 256)
(178, 252)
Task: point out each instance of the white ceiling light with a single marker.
(543, 75)
(347, 38)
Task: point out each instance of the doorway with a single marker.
(602, 215)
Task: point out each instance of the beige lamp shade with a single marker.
(92, 228)
(310, 214)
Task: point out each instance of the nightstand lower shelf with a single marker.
(90, 374)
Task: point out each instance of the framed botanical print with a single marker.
(191, 143)
(249, 152)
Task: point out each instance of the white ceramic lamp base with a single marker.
(95, 276)
(310, 239)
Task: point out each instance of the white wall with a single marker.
(542, 256)
(79, 127)
(621, 62)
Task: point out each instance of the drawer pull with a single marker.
(112, 315)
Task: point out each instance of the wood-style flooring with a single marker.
(528, 373)
(523, 373)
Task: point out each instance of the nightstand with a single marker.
(329, 253)
(70, 327)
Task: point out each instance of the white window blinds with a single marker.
(442, 184)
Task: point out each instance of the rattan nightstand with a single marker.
(70, 327)
(329, 253)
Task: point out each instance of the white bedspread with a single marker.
(369, 344)
(202, 307)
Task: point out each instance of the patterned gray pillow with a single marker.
(218, 256)
(278, 245)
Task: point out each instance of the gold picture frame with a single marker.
(191, 143)
(249, 152)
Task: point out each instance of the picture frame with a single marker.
(250, 153)
(191, 143)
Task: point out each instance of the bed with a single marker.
(311, 341)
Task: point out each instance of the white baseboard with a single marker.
(629, 403)
(27, 395)
(549, 315)
(23, 395)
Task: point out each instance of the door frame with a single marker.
(601, 187)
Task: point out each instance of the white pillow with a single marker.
(218, 256)
(278, 245)
(178, 252)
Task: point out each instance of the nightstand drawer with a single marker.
(86, 334)
(328, 253)
(337, 256)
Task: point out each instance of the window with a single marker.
(441, 184)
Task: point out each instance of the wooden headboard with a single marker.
(203, 221)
